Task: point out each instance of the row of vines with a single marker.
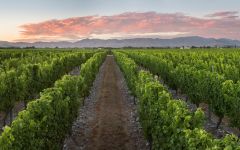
(22, 78)
(167, 123)
(205, 77)
(46, 120)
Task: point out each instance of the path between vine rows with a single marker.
(108, 120)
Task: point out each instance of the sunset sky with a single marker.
(56, 20)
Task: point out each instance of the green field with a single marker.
(41, 79)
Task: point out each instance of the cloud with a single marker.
(136, 24)
(224, 14)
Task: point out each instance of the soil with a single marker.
(108, 120)
(75, 71)
(19, 106)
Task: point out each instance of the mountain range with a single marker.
(136, 42)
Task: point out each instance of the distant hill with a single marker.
(136, 42)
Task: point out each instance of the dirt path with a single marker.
(109, 121)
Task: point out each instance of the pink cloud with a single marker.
(224, 14)
(133, 23)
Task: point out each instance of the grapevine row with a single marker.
(201, 86)
(46, 121)
(167, 123)
(25, 82)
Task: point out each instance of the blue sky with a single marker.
(14, 13)
(47, 9)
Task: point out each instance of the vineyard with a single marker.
(120, 99)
